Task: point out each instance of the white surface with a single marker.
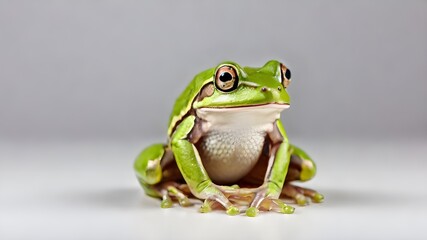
(87, 190)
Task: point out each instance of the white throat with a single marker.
(260, 117)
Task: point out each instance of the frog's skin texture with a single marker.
(227, 145)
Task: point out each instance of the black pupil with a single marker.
(225, 77)
(288, 74)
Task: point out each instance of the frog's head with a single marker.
(234, 86)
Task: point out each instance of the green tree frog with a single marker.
(227, 145)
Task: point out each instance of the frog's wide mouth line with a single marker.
(259, 116)
(278, 106)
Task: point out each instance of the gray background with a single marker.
(85, 85)
(114, 68)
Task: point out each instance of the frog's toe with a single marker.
(166, 203)
(279, 206)
(179, 195)
(232, 210)
(252, 212)
(185, 202)
(300, 199)
(300, 195)
(166, 200)
(206, 206)
(317, 198)
(312, 194)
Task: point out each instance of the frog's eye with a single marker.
(286, 75)
(226, 78)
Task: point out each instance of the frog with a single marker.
(227, 145)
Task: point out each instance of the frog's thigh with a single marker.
(148, 166)
(301, 166)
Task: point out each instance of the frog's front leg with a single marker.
(267, 195)
(191, 167)
(149, 166)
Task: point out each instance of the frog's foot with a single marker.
(215, 198)
(169, 192)
(300, 194)
(266, 202)
(211, 204)
(237, 195)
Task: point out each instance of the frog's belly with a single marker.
(230, 155)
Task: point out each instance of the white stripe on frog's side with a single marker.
(233, 139)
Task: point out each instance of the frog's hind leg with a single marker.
(158, 175)
(148, 167)
(301, 168)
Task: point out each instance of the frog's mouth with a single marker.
(255, 107)
(247, 116)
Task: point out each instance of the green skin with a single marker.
(150, 163)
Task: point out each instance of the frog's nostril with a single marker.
(279, 88)
(265, 89)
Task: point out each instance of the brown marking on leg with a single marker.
(294, 170)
